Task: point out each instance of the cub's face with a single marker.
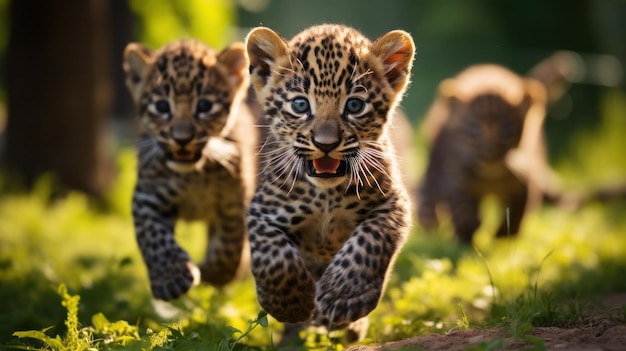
(183, 93)
(490, 109)
(326, 96)
(492, 126)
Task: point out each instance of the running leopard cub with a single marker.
(196, 159)
(486, 127)
(330, 212)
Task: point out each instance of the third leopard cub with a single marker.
(330, 212)
(486, 131)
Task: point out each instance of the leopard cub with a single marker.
(330, 212)
(196, 159)
(486, 131)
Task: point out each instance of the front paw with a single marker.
(288, 305)
(170, 281)
(357, 330)
(340, 305)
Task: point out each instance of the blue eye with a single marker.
(203, 106)
(300, 105)
(354, 106)
(162, 106)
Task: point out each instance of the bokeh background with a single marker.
(64, 108)
(67, 163)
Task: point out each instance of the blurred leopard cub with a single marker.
(196, 158)
(486, 133)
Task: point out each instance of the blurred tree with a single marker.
(161, 21)
(121, 23)
(59, 92)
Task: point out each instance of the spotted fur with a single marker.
(196, 159)
(487, 139)
(323, 239)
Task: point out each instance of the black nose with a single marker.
(326, 147)
(182, 132)
(326, 136)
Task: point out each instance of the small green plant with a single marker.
(103, 334)
(234, 344)
(76, 338)
(463, 323)
(522, 313)
(494, 293)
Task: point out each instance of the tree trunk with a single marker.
(59, 92)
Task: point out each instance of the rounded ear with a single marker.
(234, 59)
(447, 88)
(264, 48)
(395, 49)
(535, 96)
(137, 62)
(536, 90)
(448, 93)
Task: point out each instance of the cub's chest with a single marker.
(198, 196)
(323, 226)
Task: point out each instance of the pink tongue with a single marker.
(326, 165)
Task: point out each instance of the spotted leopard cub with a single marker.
(330, 212)
(196, 155)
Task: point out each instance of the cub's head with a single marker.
(183, 93)
(490, 108)
(327, 95)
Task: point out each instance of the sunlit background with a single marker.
(67, 134)
(62, 62)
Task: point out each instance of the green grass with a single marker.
(71, 277)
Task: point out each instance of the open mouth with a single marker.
(326, 167)
(184, 156)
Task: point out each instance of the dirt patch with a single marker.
(600, 332)
(576, 339)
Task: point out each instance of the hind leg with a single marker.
(226, 241)
(516, 206)
(427, 215)
(426, 208)
(464, 212)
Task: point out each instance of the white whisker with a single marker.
(147, 149)
(301, 65)
(364, 170)
(375, 163)
(353, 72)
(373, 178)
(377, 147)
(355, 175)
(369, 166)
(282, 164)
(295, 174)
(278, 162)
(366, 73)
(278, 150)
